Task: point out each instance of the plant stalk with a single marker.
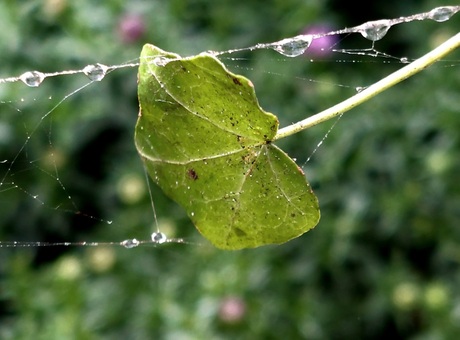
(371, 91)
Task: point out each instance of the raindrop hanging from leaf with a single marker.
(207, 143)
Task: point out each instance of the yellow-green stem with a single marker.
(371, 91)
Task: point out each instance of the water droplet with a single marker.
(95, 72)
(158, 237)
(32, 78)
(109, 222)
(192, 214)
(441, 14)
(161, 61)
(359, 88)
(375, 30)
(404, 60)
(293, 47)
(130, 243)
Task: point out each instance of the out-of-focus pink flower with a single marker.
(232, 309)
(321, 47)
(131, 28)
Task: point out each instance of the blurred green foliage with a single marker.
(383, 261)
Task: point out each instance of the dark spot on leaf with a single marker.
(192, 174)
(248, 158)
(240, 140)
(239, 232)
(236, 81)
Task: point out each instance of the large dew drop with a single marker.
(441, 14)
(130, 243)
(158, 237)
(32, 78)
(95, 72)
(293, 47)
(374, 30)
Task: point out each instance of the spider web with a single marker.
(51, 157)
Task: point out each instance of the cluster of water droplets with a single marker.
(297, 46)
(372, 30)
(157, 237)
(289, 47)
(95, 72)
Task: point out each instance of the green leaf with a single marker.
(207, 143)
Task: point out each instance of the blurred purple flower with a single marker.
(131, 28)
(321, 47)
(232, 309)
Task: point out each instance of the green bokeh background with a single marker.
(383, 261)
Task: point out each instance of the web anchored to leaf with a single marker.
(207, 143)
